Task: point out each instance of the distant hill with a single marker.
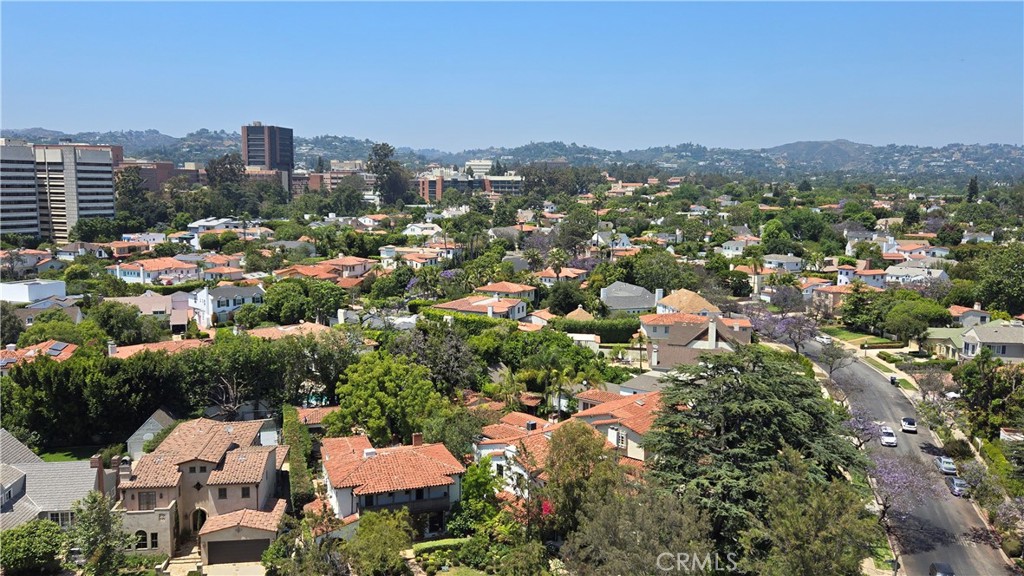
(953, 163)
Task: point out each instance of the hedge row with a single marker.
(941, 363)
(435, 545)
(992, 453)
(472, 323)
(416, 305)
(611, 331)
(882, 345)
(300, 443)
(183, 287)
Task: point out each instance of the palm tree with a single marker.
(509, 389)
(557, 259)
(533, 259)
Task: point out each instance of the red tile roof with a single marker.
(874, 272)
(243, 466)
(598, 396)
(479, 304)
(156, 264)
(527, 327)
(207, 440)
(29, 353)
(281, 455)
(155, 470)
(268, 520)
(500, 431)
(390, 469)
(845, 289)
(741, 322)
(277, 332)
(637, 412)
(672, 319)
(519, 420)
(170, 347)
(315, 415)
(506, 288)
(564, 274)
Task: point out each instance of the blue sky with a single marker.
(463, 75)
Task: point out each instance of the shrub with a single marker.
(151, 444)
(416, 305)
(438, 545)
(881, 345)
(296, 435)
(959, 449)
(32, 548)
(940, 363)
(611, 331)
(471, 323)
(888, 357)
(1012, 546)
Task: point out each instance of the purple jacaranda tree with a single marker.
(902, 484)
(862, 427)
(793, 329)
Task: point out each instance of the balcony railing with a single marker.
(442, 504)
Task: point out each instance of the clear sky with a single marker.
(464, 75)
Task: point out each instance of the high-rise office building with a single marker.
(19, 202)
(268, 147)
(73, 181)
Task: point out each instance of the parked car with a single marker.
(957, 485)
(940, 569)
(945, 465)
(823, 339)
(909, 425)
(888, 437)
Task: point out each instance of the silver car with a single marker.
(888, 437)
(957, 485)
(945, 465)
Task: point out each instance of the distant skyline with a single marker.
(456, 76)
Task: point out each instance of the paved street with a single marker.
(943, 530)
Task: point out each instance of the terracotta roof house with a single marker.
(548, 276)
(681, 338)
(510, 290)
(202, 470)
(687, 301)
(425, 478)
(11, 356)
(490, 306)
(165, 271)
(278, 332)
(968, 317)
(830, 298)
(170, 347)
(580, 314)
(624, 421)
(313, 418)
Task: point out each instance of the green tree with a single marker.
(325, 298)
(11, 326)
(972, 189)
(576, 228)
(804, 186)
(557, 259)
(249, 315)
(565, 297)
(605, 544)
(388, 396)
(120, 321)
(723, 422)
(527, 558)
(379, 538)
(982, 388)
(209, 241)
(654, 269)
(63, 330)
(32, 548)
(479, 501)
(1001, 282)
(457, 428)
(97, 532)
(391, 182)
(950, 235)
(225, 170)
(286, 302)
(807, 527)
(578, 467)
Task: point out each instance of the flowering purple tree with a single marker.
(902, 484)
(794, 329)
(861, 427)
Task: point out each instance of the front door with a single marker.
(198, 519)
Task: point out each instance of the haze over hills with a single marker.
(953, 163)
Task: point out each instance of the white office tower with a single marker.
(74, 182)
(19, 203)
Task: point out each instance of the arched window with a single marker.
(141, 540)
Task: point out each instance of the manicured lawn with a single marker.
(463, 571)
(906, 384)
(877, 364)
(435, 544)
(70, 453)
(852, 337)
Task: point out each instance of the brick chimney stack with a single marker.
(417, 438)
(97, 462)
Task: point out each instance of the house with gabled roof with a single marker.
(628, 298)
(202, 470)
(509, 290)
(424, 478)
(489, 306)
(624, 422)
(212, 306)
(153, 425)
(33, 489)
(681, 338)
(687, 301)
(968, 317)
(55, 350)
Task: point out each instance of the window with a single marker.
(147, 500)
(153, 539)
(257, 299)
(141, 540)
(500, 470)
(369, 499)
(245, 491)
(64, 519)
(202, 468)
(191, 469)
(621, 439)
(419, 493)
(222, 493)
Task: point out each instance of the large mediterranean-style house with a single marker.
(207, 479)
(212, 306)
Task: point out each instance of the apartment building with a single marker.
(74, 181)
(19, 201)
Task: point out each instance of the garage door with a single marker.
(236, 551)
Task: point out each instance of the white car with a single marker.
(945, 465)
(909, 425)
(823, 339)
(888, 437)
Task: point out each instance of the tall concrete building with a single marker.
(268, 147)
(73, 181)
(19, 202)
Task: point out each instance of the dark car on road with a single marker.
(940, 569)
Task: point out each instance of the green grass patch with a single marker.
(71, 453)
(877, 364)
(881, 554)
(464, 571)
(906, 384)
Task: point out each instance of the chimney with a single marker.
(97, 462)
(490, 311)
(417, 438)
(604, 293)
(713, 332)
(369, 453)
(12, 347)
(111, 348)
(124, 471)
(531, 426)
(659, 293)
(977, 305)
